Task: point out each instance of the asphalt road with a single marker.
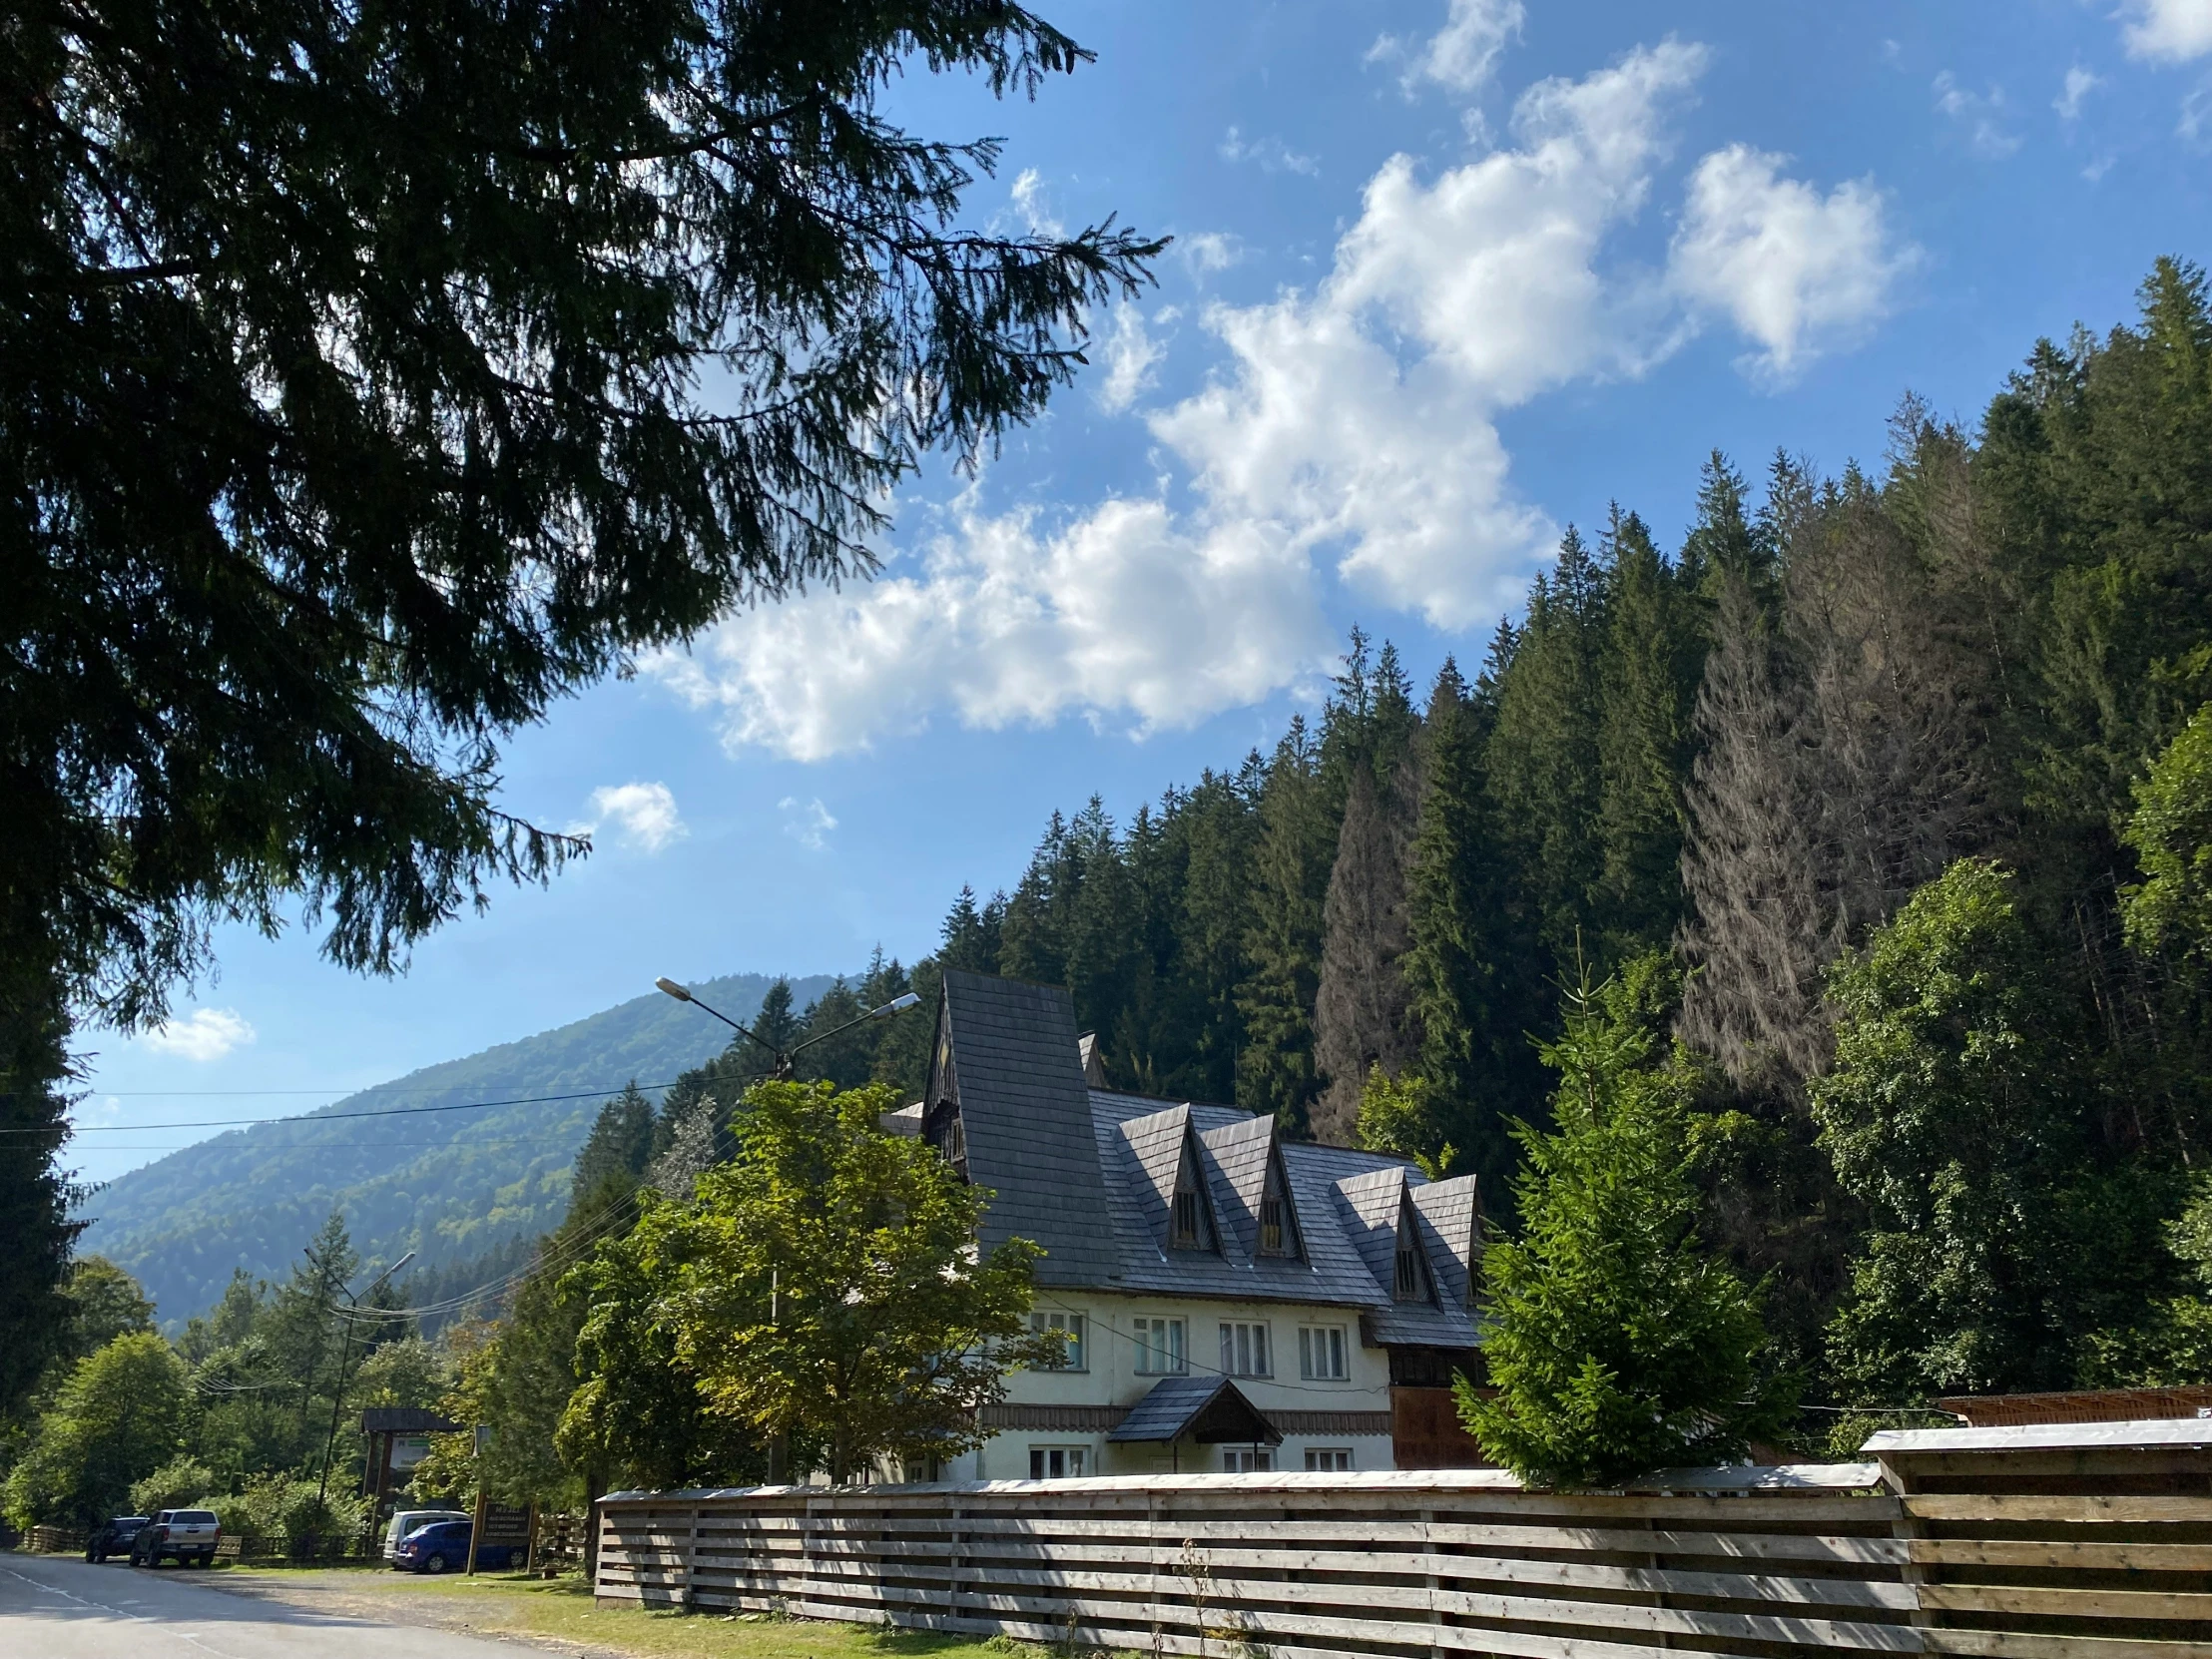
(58, 1607)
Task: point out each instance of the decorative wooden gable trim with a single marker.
(1278, 1232)
(941, 1113)
(1191, 1223)
(1412, 1278)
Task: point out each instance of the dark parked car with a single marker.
(189, 1536)
(113, 1536)
(442, 1546)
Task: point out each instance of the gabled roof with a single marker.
(1098, 1197)
(1209, 1409)
(1244, 1152)
(1026, 1117)
(1453, 1210)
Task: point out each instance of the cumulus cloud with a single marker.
(1348, 433)
(2169, 31)
(1796, 271)
(808, 822)
(644, 813)
(1980, 115)
(204, 1035)
(1131, 354)
(1207, 251)
(1463, 53)
(1028, 193)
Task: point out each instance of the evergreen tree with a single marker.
(1544, 759)
(614, 1153)
(1296, 845)
(1617, 1343)
(1653, 660)
(1466, 965)
(970, 935)
(1362, 1008)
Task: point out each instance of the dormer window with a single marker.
(1410, 1280)
(1190, 1227)
(1278, 1226)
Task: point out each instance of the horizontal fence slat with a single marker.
(1404, 1566)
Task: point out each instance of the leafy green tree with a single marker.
(829, 1289)
(179, 1484)
(104, 1303)
(638, 1414)
(1398, 1115)
(1618, 1345)
(375, 379)
(122, 1414)
(1961, 1112)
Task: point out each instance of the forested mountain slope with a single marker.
(450, 1186)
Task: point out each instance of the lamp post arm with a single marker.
(891, 1008)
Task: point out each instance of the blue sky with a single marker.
(1450, 274)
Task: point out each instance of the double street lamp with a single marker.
(781, 1057)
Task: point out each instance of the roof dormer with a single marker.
(1413, 1279)
(1189, 1211)
(1167, 1150)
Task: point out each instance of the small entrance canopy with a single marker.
(1209, 1409)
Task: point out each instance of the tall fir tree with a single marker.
(1297, 844)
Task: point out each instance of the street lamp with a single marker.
(783, 1059)
(345, 1356)
(778, 1445)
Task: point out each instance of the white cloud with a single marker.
(1207, 251)
(1131, 355)
(1029, 202)
(2172, 31)
(2196, 115)
(1271, 154)
(1460, 55)
(1352, 429)
(646, 813)
(1796, 271)
(1979, 113)
(807, 822)
(204, 1035)
(2080, 84)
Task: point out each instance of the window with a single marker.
(1329, 1458)
(1278, 1233)
(1245, 1459)
(1070, 1327)
(1159, 1347)
(1058, 1462)
(1321, 1353)
(1410, 1284)
(1190, 1223)
(1243, 1351)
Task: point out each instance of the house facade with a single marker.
(1227, 1298)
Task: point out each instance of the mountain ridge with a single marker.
(449, 1185)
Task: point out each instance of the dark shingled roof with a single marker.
(1211, 1409)
(1027, 1119)
(1090, 1175)
(406, 1419)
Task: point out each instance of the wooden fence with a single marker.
(2073, 1542)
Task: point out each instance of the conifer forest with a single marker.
(1908, 769)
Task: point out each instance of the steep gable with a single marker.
(1265, 1216)
(1007, 1105)
(1455, 1210)
(1181, 1208)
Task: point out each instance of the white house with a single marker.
(1230, 1300)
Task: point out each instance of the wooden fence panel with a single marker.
(1949, 1543)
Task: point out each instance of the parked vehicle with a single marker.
(442, 1546)
(188, 1534)
(411, 1520)
(113, 1536)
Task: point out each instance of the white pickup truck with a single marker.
(189, 1534)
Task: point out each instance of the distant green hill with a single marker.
(448, 1185)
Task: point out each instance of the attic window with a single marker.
(1410, 1279)
(1278, 1233)
(1189, 1226)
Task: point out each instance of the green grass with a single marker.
(564, 1607)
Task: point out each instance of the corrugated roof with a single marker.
(1026, 1116)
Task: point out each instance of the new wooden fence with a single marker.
(2073, 1542)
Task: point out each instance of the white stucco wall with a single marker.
(1110, 1377)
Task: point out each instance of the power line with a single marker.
(339, 1117)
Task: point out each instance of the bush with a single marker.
(282, 1507)
(181, 1483)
